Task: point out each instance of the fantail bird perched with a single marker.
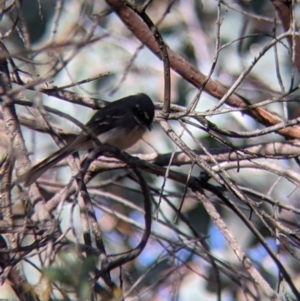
(121, 124)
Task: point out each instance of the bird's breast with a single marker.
(122, 138)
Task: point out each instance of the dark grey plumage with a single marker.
(120, 123)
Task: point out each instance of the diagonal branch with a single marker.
(190, 73)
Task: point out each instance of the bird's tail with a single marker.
(37, 170)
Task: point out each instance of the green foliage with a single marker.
(73, 272)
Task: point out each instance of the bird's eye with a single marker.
(139, 111)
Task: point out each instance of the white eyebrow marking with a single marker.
(146, 115)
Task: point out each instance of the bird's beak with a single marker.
(149, 127)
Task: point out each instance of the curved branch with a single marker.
(190, 73)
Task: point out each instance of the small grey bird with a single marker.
(121, 124)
